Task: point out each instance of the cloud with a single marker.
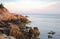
(50, 8)
(24, 5)
(30, 6)
(8, 0)
(54, 8)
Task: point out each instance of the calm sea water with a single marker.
(46, 23)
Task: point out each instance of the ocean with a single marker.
(45, 24)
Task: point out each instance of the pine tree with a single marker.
(1, 5)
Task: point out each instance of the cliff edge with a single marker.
(15, 25)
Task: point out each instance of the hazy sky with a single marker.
(33, 6)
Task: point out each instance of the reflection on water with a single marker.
(46, 23)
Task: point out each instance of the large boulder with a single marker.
(16, 32)
(36, 31)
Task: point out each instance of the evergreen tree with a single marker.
(1, 5)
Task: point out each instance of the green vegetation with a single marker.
(1, 5)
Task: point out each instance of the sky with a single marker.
(33, 6)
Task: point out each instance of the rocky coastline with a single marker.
(13, 26)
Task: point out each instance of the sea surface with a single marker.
(46, 23)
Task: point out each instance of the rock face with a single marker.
(36, 31)
(15, 25)
(3, 36)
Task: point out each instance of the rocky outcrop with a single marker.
(36, 32)
(4, 36)
(15, 25)
(51, 34)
